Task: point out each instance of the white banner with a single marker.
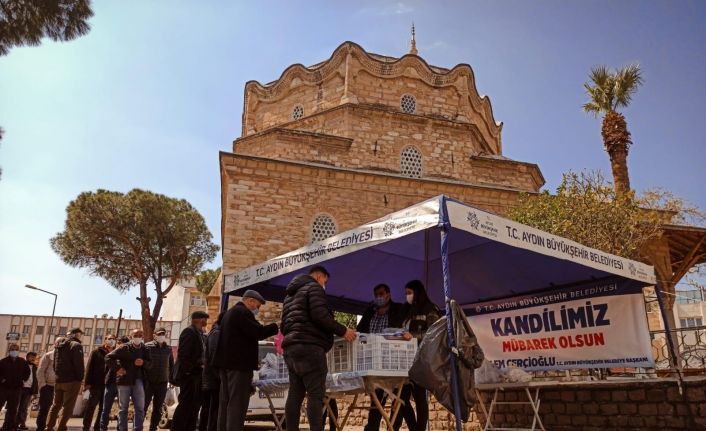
(496, 228)
(599, 326)
(395, 225)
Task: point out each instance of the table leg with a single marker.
(353, 405)
(381, 409)
(488, 423)
(396, 398)
(534, 403)
(275, 419)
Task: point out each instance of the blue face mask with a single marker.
(380, 301)
(14, 353)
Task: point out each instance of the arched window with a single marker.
(408, 103)
(297, 112)
(322, 227)
(411, 162)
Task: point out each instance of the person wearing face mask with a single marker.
(130, 362)
(14, 370)
(308, 326)
(111, 387)
(236, 358)
(188, 372)
(94, 382)
(29, 390)
(68, 365)
(383, 313)
(157, 376)
(419, 314)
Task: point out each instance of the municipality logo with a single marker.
(473, 219)
(388, 229)
(632, 268)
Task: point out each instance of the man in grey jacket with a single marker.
(46, 378)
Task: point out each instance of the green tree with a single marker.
(134, 239)
(586, 209)
(26, 22)
(206, 279)
(609, 91)
(346, 319)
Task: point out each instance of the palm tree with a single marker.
(609, 91)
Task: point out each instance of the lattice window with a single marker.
(297, 112)
(411, 162)
(324, 226)
(408, 103)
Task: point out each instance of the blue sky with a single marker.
(154, 91)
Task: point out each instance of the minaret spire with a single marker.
(413, 47)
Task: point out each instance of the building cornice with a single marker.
(433, 76)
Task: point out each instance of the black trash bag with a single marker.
(431, 368)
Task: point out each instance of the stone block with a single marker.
(608, 409)
(627, 408)
(647, 409)
(568, 396)
(619, 396)
(656, 395)
(637, 395)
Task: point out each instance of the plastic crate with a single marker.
(375, 352)
(340, 357)
(273, 368)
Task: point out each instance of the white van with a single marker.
(258, 409)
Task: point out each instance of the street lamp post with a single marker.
(51, 324)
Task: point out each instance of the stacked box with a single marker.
(374, 352)
(340, 357)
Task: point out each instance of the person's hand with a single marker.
(139, 362)
(121, 372)
(349, 335)
(407, 336)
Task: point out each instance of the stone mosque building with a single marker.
(327, 147)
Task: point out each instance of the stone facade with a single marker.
(354, 138)
(331, 139)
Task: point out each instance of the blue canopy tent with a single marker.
(458, 251)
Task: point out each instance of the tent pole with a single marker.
(224, 302)
(426, 257)
(449, 318)
(673, 357)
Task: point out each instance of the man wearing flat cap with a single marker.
(188, 370)
(237, 358)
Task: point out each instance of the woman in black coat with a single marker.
(420, 313)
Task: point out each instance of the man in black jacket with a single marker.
(68, 364)
(129, 362)
(188, 372)
(94, 382)
(383, 313)
(13, 372)
(158, 375)
(30, 388)
(237, 358)
(308, 327)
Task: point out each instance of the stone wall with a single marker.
(373, 138)
(609, 405)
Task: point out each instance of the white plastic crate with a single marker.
(273, 367)
(374, 352)
(340, 357)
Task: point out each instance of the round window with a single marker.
(323, 227)
(297, 112)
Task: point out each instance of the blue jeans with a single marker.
(137, 392)
(111, 391)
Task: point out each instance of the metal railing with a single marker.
(690, 346)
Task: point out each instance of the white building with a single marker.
(183, 300)
(37, 333)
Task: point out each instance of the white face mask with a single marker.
(136, 341)
(160, 338)
(111, 343)
(14, 353)
(77, 337)
(410, 298)
(255, 311)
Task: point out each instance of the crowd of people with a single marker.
(214, 372)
